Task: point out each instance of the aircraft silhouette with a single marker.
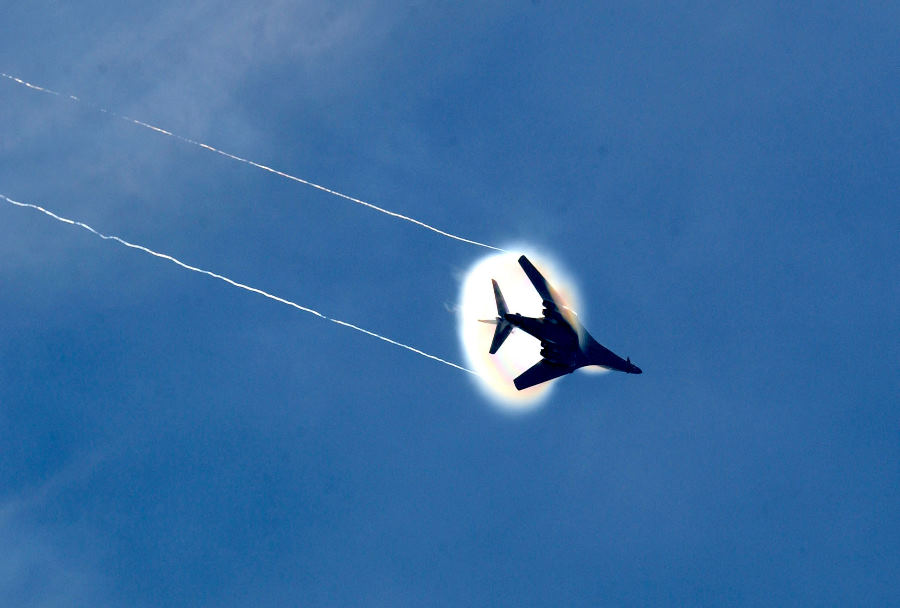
(565, 344)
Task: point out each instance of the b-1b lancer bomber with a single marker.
(565, 344)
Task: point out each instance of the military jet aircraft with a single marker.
(565, 344)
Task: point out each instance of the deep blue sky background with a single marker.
(722, 180)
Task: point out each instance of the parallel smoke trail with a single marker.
(254, 164)
(231, 282)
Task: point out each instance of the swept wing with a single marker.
(541, 371)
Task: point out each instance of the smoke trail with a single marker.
(254, 164)
(230, 281)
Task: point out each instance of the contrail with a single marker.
(246, 161)
(266, 294)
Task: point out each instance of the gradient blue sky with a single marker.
(721, 179)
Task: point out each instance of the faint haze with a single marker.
(719, 181)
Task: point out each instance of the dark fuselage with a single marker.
(564, 345)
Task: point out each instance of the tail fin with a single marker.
(503, 326)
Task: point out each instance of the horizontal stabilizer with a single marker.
(501, 303)
(504, 327)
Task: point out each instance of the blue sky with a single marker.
(721, 181)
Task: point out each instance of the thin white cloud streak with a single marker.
(246, 161)
(232, 282)
(38, 567)
(70, 475)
